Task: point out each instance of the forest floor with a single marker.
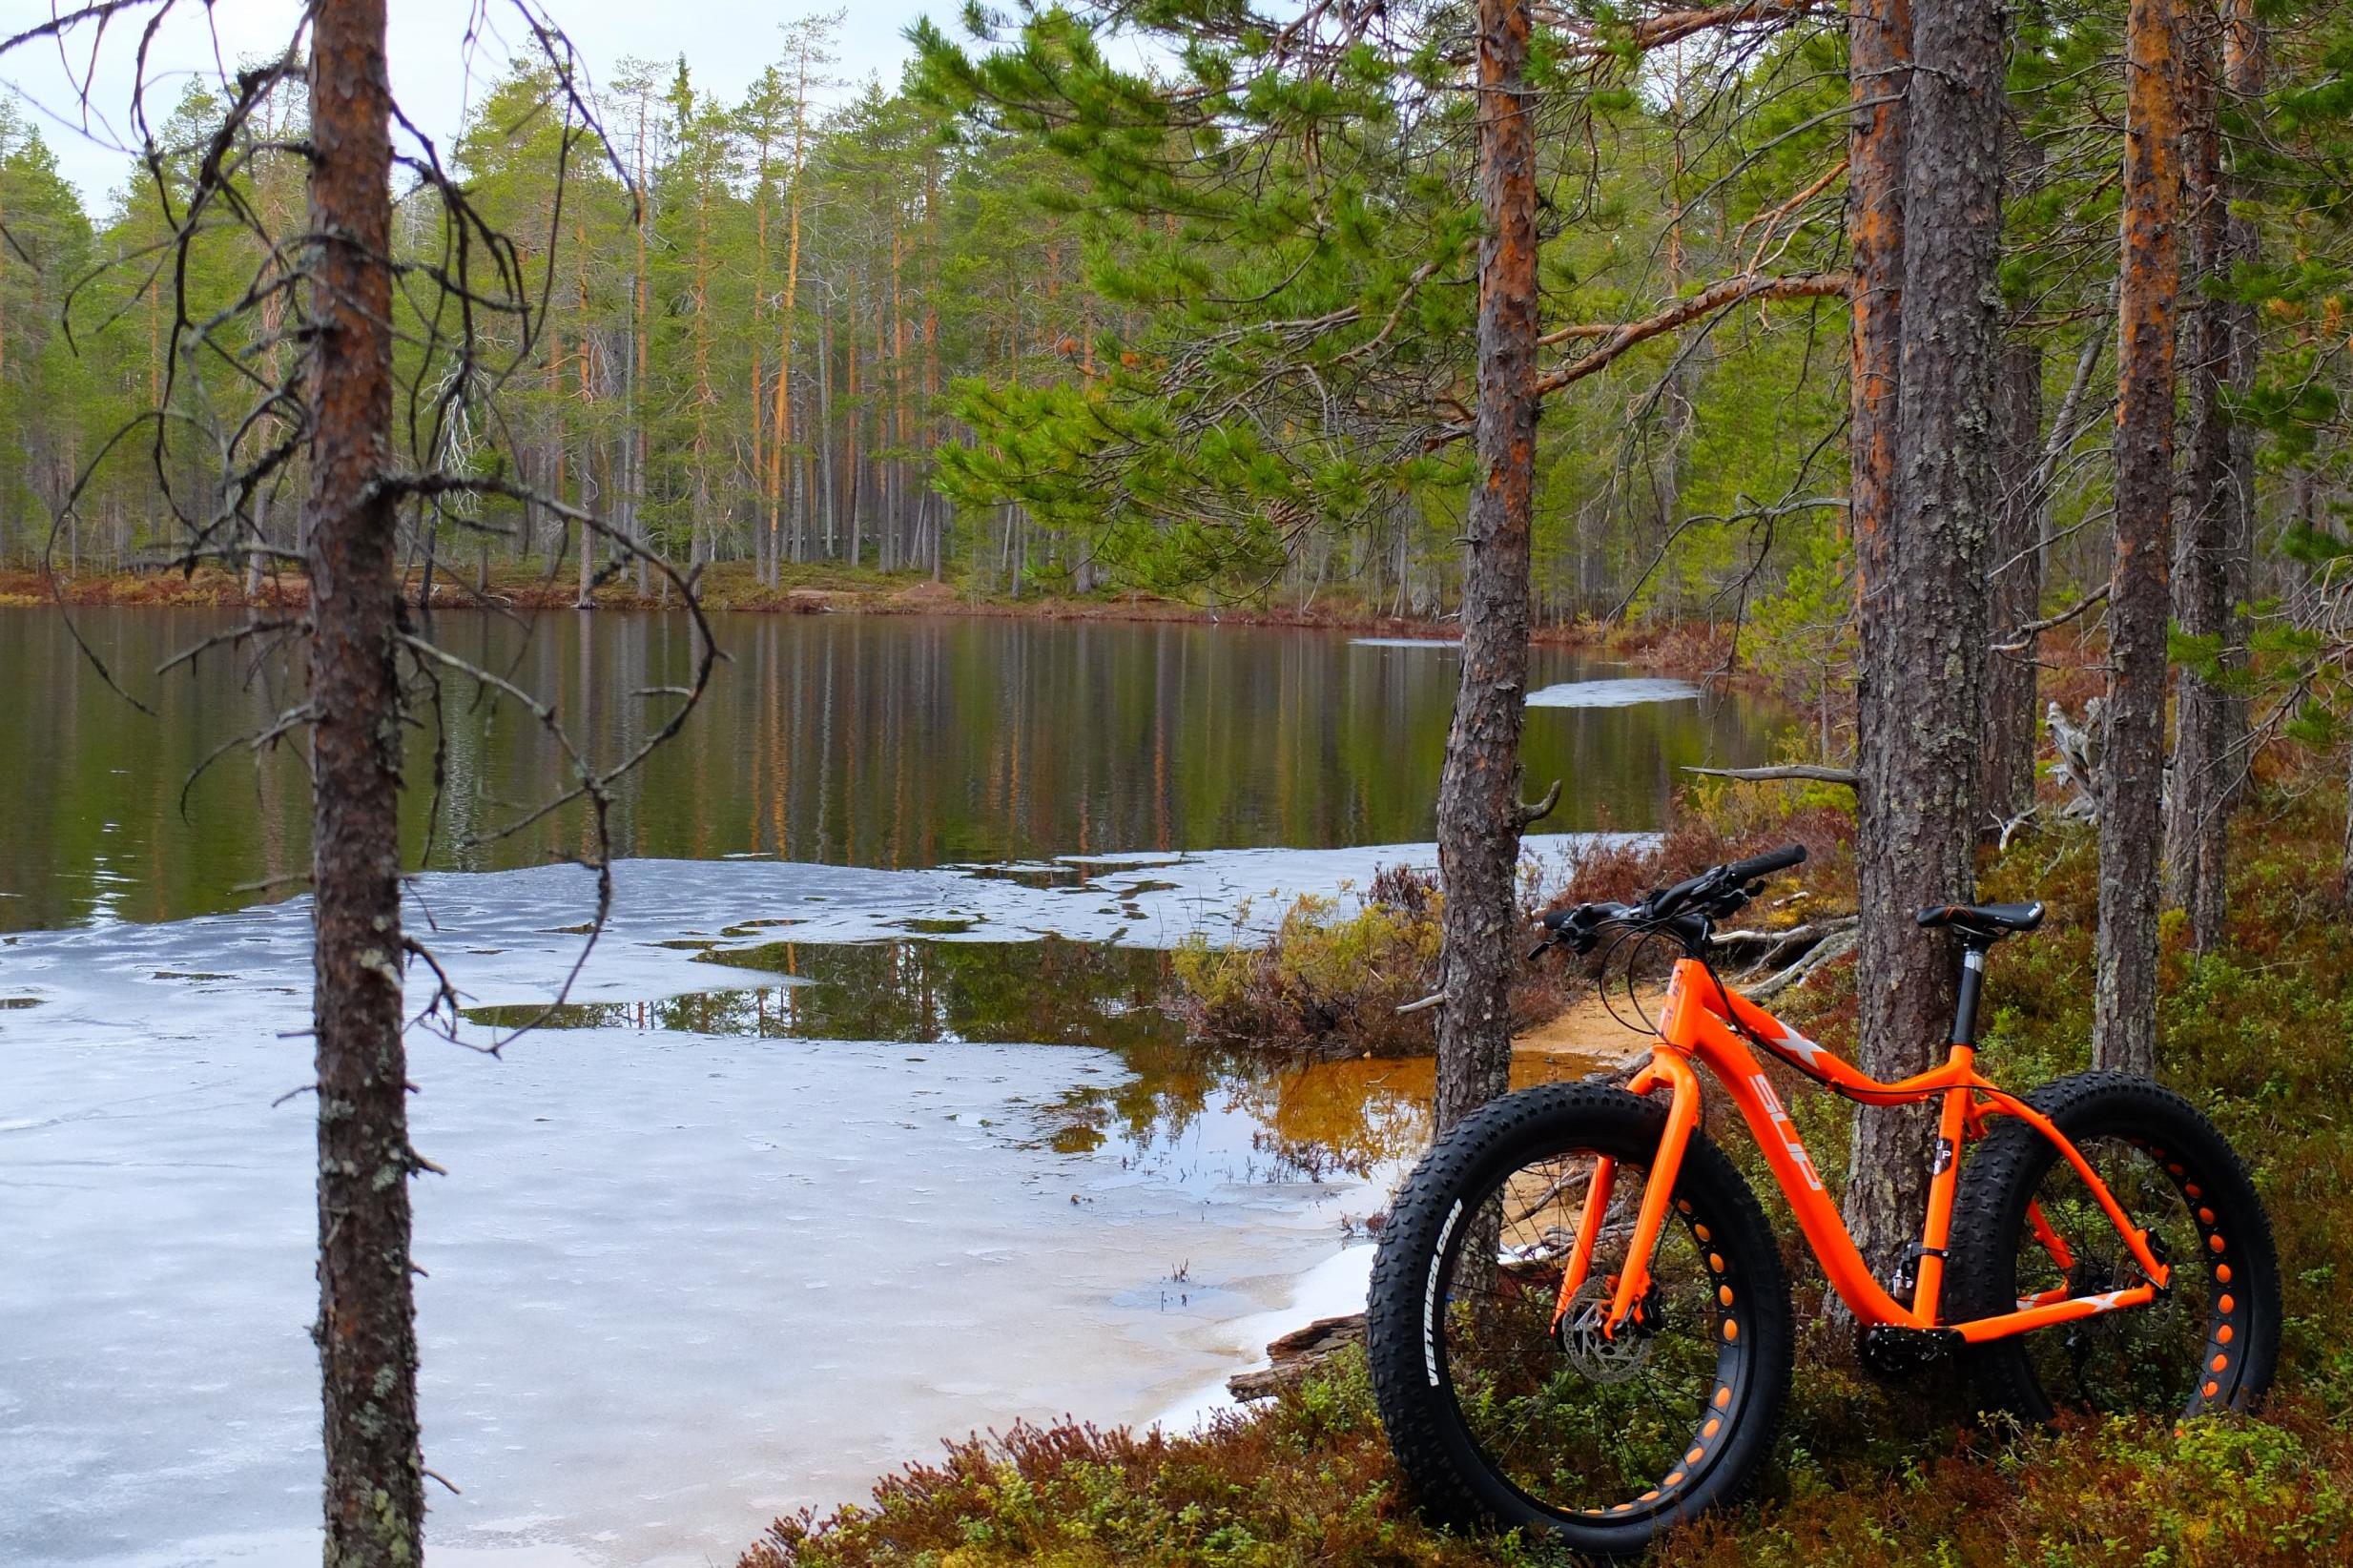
(1863, 1473)
(1669, 648)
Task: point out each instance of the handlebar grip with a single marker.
(1767, 863)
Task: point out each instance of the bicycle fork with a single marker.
(1633, 1282)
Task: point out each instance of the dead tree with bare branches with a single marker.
(300, 386)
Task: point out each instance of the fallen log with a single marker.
(1809, 772)
(1297, 1353)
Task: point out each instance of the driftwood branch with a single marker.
(1809, 772)
(1292, 1357)
(2078, 763)
(1832, 946)
(2023, 637)
(1762, 949)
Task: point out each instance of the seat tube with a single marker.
(1964, 999)
(1944, 1180)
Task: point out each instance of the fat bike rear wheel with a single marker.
(2024, 1227)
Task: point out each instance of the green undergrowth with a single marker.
(1862, 1474)
(1329, 978)
(1328, 981)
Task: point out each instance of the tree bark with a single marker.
(1924, 610)
(367, 1330)
(641, 338)
(2016, 562)
(1480, 815)
(2244, 82)
(2198, 798)
(789, 320)
(1879, 47)
(2344, 862)
(2015, 582)
(2124, 1015)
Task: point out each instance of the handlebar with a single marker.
(1683, 911)
(1766, 864)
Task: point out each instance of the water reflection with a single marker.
(1302, 1120)
(879, 741)
(1047, 992)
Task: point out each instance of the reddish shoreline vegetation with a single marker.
(1863, 1473)
(1676, 648)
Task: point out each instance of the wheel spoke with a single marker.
(1587, 1421)
(2144, 1358)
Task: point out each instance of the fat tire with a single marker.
(1444, 1470)
(1989, 1212)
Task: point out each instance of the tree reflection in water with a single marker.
(1310, 1120)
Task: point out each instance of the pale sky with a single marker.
(725, 42)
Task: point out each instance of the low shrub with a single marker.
(1330, 979)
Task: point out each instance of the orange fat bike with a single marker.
(1578, 1322)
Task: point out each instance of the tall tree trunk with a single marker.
(2243, 53)
(1479, 814)
(1896, 991)
(886, 520)
(898, 394)
(849, 461)
(2344, 862)
(702, 546)
(640, 344)
(2199, 798)
(2014, 579)
(825, 414)
(2124, 1015)
(367, 1330)
(785, 328)
(1923, 702)
(763, 527)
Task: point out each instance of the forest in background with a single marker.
(1033, 321)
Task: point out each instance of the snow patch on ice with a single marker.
(1613, 693)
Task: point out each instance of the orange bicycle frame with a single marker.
(1697, 1025)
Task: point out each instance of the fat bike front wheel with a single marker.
(1500, 1416)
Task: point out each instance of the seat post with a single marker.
(1965, 1003)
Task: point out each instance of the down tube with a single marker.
(1799, 1183)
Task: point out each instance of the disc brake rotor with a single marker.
(1599, 1357)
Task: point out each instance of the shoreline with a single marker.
(1677, 648)
(1332, 1292)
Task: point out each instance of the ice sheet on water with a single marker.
(510, 937)
(1613, 693)
(678, 1282)
(1406, 642)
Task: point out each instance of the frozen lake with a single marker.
(687, 1269)
(822, 1162)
